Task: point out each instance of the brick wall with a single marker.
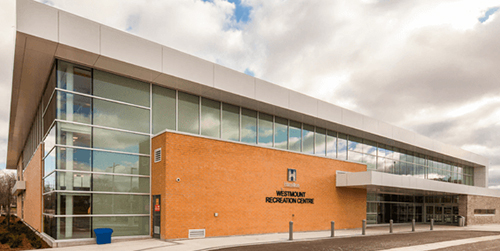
(33, 194)
(233, 180)
(482, 202)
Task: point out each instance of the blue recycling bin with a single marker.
(103, 235)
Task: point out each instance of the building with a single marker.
(108, 129)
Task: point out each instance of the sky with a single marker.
(431, 67)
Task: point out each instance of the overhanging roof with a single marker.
(387, 182)
(45, 33)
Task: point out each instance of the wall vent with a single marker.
(196, 233)
(157, 155)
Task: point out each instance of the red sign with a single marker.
(157, 208)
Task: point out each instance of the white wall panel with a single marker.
(352, 119)
(78, 32)
(187, 67)
(329, 112)
(131, 49)
(271, 93)
(232, 81)
(303, 103)
(37, 19)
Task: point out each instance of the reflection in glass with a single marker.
(230, 122)
(371, 161)
(295, 136)
(163, 109)
(49, 163)
(320, 144)
(342, 146)
(120, 204)
(369, 147)
(355, 144)
(210, 118)
(248, 126)
(72, 181)
(49, 203)
(189, 109)
(73, 159)
(73, 204)
(118, 183)
(308, 136)
(73, 135)
(265, 130)
(120, 163)
(50, 140)
(73, 227)
(120, 116)
(49, 116)
(281, 133)
(73, 78)
(124, 226)
(49, 183)
(73, 107)
(331, 144)
(120, 88)
(121, 141)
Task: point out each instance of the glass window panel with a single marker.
(49, 116)
(118, 183)
(331, 144)
(73, 107)
(119, 88)
(402, 155)
(371, 161)
(73, 159)
(295, 136)
(121, 141)
(49, 226)
(49, 163)
(356, 157)
(119, 163)
(73, 227)
(74, 78)
(230, 122)
(71, 181)
(320, 142)
(265, 130)
(49, 183)
(73, 204)
(189, 113)
(342, 146)
(409, 157)
(210, 118)
(355, 144)
(124, 226)
(50, 141)
(163, 109)
(308, 136)
(120, 116)
(248, 126)
(49, 203)
(73, 135)
(369, 147)
(120, 204)
(281, 133)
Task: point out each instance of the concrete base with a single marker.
(79, 242)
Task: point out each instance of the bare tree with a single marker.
(7, 182)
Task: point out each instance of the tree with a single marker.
(7, 182)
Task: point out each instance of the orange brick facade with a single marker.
(233, 180)
(33, 195)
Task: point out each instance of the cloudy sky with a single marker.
(432, 67)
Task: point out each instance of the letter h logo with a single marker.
(292, 175)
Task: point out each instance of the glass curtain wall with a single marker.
(96, 161)
(198, 115)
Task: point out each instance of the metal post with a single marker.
(333, 228)
(432, 224)
(363, 231)
(391, 223)
(290, 231)
(413, 225)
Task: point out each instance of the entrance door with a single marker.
(156, 216)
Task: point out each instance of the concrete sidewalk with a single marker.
(232, 241)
